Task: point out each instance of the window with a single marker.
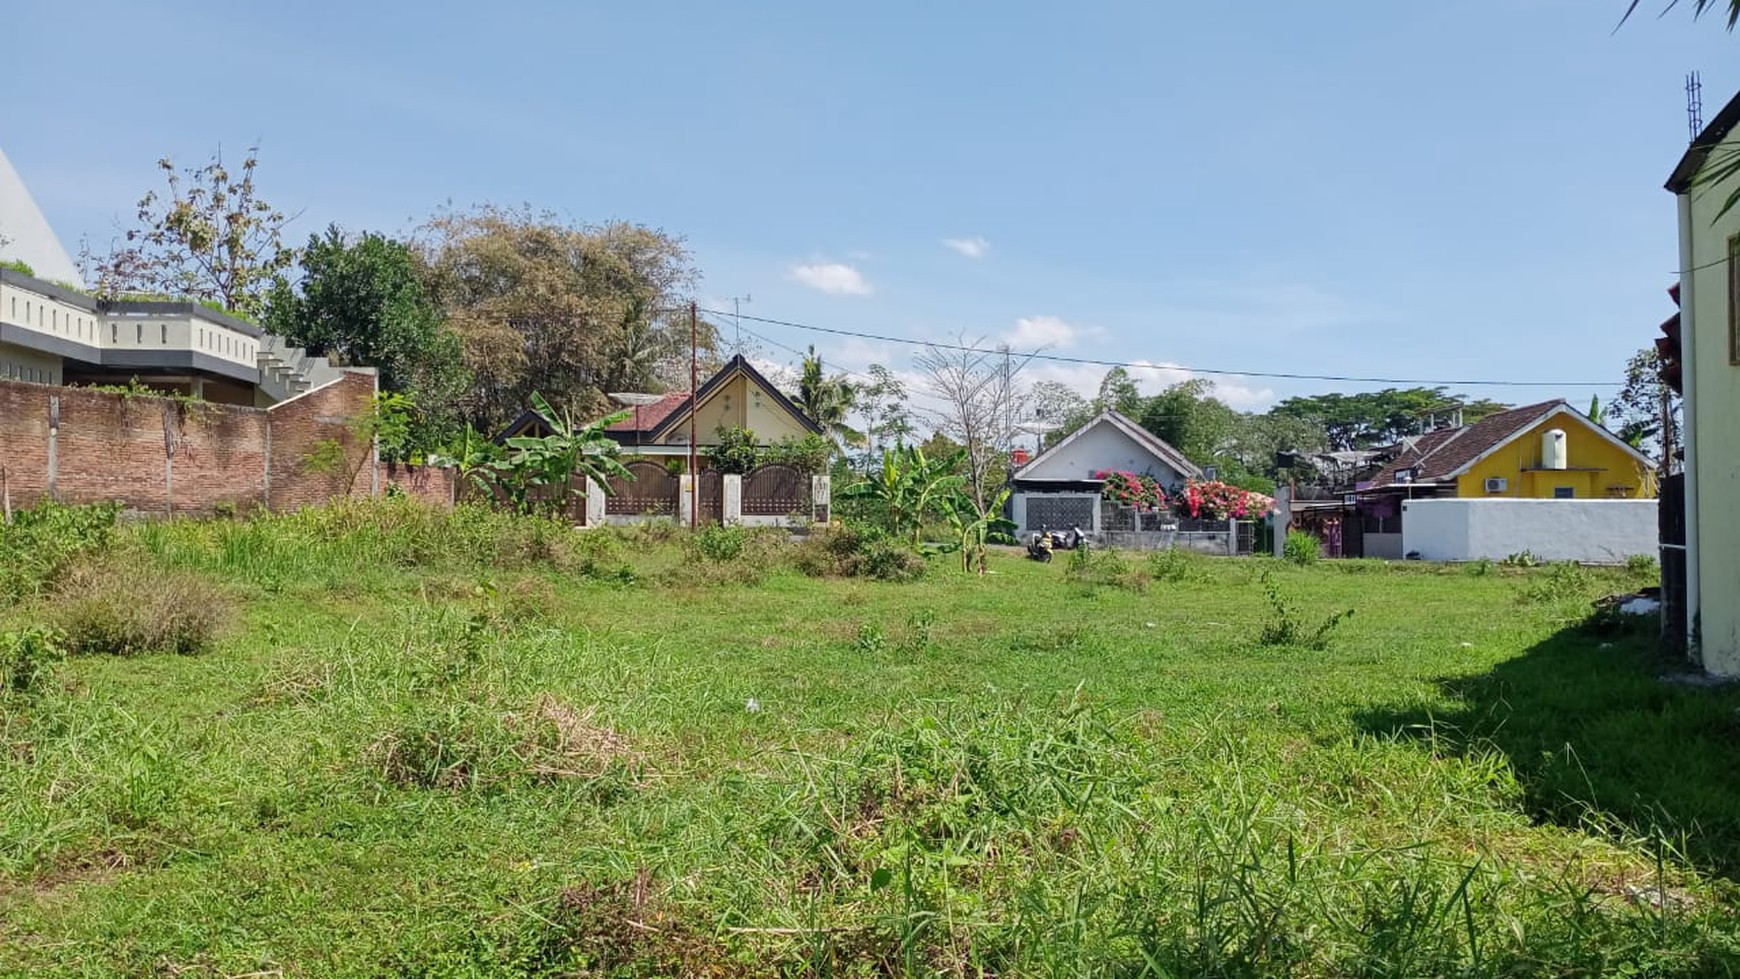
(1734, 300)
(165, 337)
(1564, 492)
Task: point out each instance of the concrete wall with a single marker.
(1592, 531)
(24, 364)
(1712, 389)
(1102, 447)
(1018, 509)
(162, 455)
(1386, 546)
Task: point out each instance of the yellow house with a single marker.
(737, 396)
(1541, 451)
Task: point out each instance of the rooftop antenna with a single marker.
(1695, 104)
(737, 317)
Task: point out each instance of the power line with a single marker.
(1132, 365)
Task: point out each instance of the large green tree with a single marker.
(571, 311)
(1373, 418)
(361, 301)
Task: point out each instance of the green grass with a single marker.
(477, 746)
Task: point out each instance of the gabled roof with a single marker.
(654, 421)
(1442, 455)
(684, 403)
(1141, 436)
(1681, 179)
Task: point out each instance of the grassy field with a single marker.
(477, 746)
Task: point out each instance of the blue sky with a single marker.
(1406, 190)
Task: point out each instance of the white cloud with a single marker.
(833, 278)
(970, 247)
(1032, 332)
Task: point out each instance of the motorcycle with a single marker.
(1046, 542)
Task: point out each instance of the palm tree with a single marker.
(1699, 8)
(827, 401)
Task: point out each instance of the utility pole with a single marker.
(694, 390)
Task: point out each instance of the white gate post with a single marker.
(731, 510)
(821, 497)
(594, 503)
(685, 499)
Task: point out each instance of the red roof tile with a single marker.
(648, 417)
(1438, 454)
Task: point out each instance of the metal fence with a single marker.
(775, 491)
(653, 490)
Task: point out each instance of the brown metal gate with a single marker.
(712, 493)
(775, 491)
(652, 491)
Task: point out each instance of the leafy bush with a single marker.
(1286, 628)
(128, 606)
(1302, 548)
(40, 542)
(28, 660)
(720, 543)
(735, 451)
(806, 453)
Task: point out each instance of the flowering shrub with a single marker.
(1129, 489)
(1220, 501)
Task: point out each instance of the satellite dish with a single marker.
(635, 398)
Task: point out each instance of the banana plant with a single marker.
(973, 525)
(910, 487)
(552, 460)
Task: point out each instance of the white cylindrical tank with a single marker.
(1553, 453)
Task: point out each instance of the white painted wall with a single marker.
(1712, 389)
(1102, 447)
(27, 233)
(1592, 531)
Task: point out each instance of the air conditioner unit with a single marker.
(1497, 484)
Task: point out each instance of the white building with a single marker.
(1060, 488)
(52, 332)
(1709, 293)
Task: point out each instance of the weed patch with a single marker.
(29, 660)
(126, 606)
(848, 551)
(39, 543)
(1285, 627)
(1104, 567)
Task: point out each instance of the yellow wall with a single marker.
(739, 403)
(1596, 468)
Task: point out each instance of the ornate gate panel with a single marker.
(775, 491)
(652, 491)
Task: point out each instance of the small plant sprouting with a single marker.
(1286, 628)
(1302, 548)
(871, 640)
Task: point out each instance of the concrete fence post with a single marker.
(595, 503)
(731, 510)
(685, 498)
(821, 497)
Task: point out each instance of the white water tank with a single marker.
(1553, 453)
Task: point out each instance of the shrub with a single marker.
(18, 265)
(28, 660)
(1521, 559)
(39, 543)
(850, 551)
(1558, 582)
(1301, 548)
(735, 451)
(720, 543)
(127, 606)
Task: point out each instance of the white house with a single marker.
(1709, 293)
(1060, 488)
(52, 331)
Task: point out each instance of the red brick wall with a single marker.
(301, 425)
(157, 454)
(433, 485)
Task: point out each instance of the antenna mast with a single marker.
(1694, 105)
